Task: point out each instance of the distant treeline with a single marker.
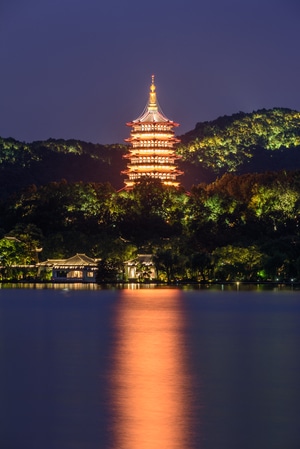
(39, 163)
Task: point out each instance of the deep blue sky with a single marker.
(82, 68)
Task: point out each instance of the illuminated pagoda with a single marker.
(152, 138)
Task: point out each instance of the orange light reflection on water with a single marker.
(149, 381)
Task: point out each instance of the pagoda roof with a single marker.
(149, 116)
(152, 112)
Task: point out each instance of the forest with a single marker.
(240, 227)
(236, 217)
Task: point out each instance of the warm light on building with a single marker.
(152, 139)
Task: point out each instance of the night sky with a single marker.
(82, 68)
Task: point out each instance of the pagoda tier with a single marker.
(151, 154)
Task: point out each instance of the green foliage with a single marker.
(230, 229)
(166, 261)
(148, 212)
(241, 143)
(235, 263)
(13, 252)
(229, 142)
(233, 228)
(39, 163)
(13, 151)
(14, 255)
(200, 265)
(108, 271)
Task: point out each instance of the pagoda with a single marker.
(152, 139)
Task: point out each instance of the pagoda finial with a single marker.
(152, 105)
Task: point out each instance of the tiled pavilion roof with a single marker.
(77, 261)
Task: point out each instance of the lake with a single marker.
(149, 368)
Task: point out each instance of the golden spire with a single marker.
(152, 105)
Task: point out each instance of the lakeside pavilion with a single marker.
(79, 268)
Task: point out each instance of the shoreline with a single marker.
(228, 285)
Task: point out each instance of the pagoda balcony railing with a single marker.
(165, 152)
(142, 147)
(134, 174)
(135, 156)
(152, 169)
(151, 146)
(150, 138)
(152, 151)
(152, 160)
(160, 176)
(167, 182)
(141, 129)
(160, 134)
(151, 164)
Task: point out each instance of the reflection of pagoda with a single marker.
(152, 140)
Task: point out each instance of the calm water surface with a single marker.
(149, 368)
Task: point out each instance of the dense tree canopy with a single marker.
(238, 227)
(242, 143)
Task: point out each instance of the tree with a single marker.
(31, 236)
(200, 264)
(237, 263)
(108, 271)
(13, 254)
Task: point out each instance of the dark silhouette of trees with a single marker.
(238, 227)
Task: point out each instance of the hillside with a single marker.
(241, 143)
(41, 162)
